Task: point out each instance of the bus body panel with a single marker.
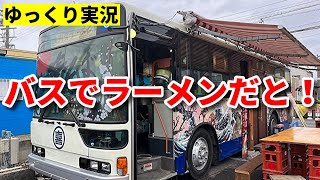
(229, 148)
(42, 136)
(56, 170)
(226, 122)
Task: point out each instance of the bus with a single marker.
(143, 138)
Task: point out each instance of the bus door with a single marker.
(260, 113)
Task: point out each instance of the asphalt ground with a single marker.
(224, 170)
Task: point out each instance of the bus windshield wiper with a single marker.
(76, 120)
(42, 114)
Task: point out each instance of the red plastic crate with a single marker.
(313, 150)
(314, 178)
(300, 168)
(274, 156)
(299, 160)
(314, 167)
(298, 149)
(317, 123)
(267, 173)
(273, 146)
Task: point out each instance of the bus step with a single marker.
(146, 164)
(158, 174)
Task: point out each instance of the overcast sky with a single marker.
(292, 14)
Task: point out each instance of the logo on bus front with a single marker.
(58, 137)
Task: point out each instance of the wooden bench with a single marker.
(286, 177)
(244, 171)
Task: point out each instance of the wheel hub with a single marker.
(200, 153)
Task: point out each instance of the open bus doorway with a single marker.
(153, 121)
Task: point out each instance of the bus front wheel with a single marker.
(200, 154)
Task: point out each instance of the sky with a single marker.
(292, 14)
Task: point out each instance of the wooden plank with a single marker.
(296, 135)
(286, 177)
(296, 109)
(252, 121)
(244, 171)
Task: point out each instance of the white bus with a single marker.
(142, 139)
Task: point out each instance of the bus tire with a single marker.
(200, 154)
(273, 121)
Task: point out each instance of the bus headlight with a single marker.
(106, 168)
(38, 151)
(94, 165)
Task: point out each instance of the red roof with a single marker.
(285, 48)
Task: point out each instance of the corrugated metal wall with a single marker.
(16, 119)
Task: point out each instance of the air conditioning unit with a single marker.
(10, 147)
(4, 146)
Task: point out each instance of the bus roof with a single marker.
(181, 27)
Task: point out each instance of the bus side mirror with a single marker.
(123, 46)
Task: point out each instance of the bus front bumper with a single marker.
(60, 171)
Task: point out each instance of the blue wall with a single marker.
(16, 119)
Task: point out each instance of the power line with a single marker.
(267, 12)
(292, 14)
(241, 12)
(306, 29)
(317, 34)
(301, 25)
(289, 11)
(28, 31)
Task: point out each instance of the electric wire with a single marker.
(248, 10)
(289, 11)
(306, 29)
(267, 12)
(301, 25)
(312, 35)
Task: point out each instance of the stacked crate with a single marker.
(314, 162)
(274, 158)
(317, 123)
(299, 160)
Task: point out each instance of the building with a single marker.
(15, 64)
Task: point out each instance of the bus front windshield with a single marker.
(92, 57)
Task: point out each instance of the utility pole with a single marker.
(5, 33)
(6, 44)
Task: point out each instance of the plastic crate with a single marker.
(298, 149)
(273, 147)
(314, 178)
(314, 167)
(313, 150)
(274, 156)
(266, 174)
(300, 168)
